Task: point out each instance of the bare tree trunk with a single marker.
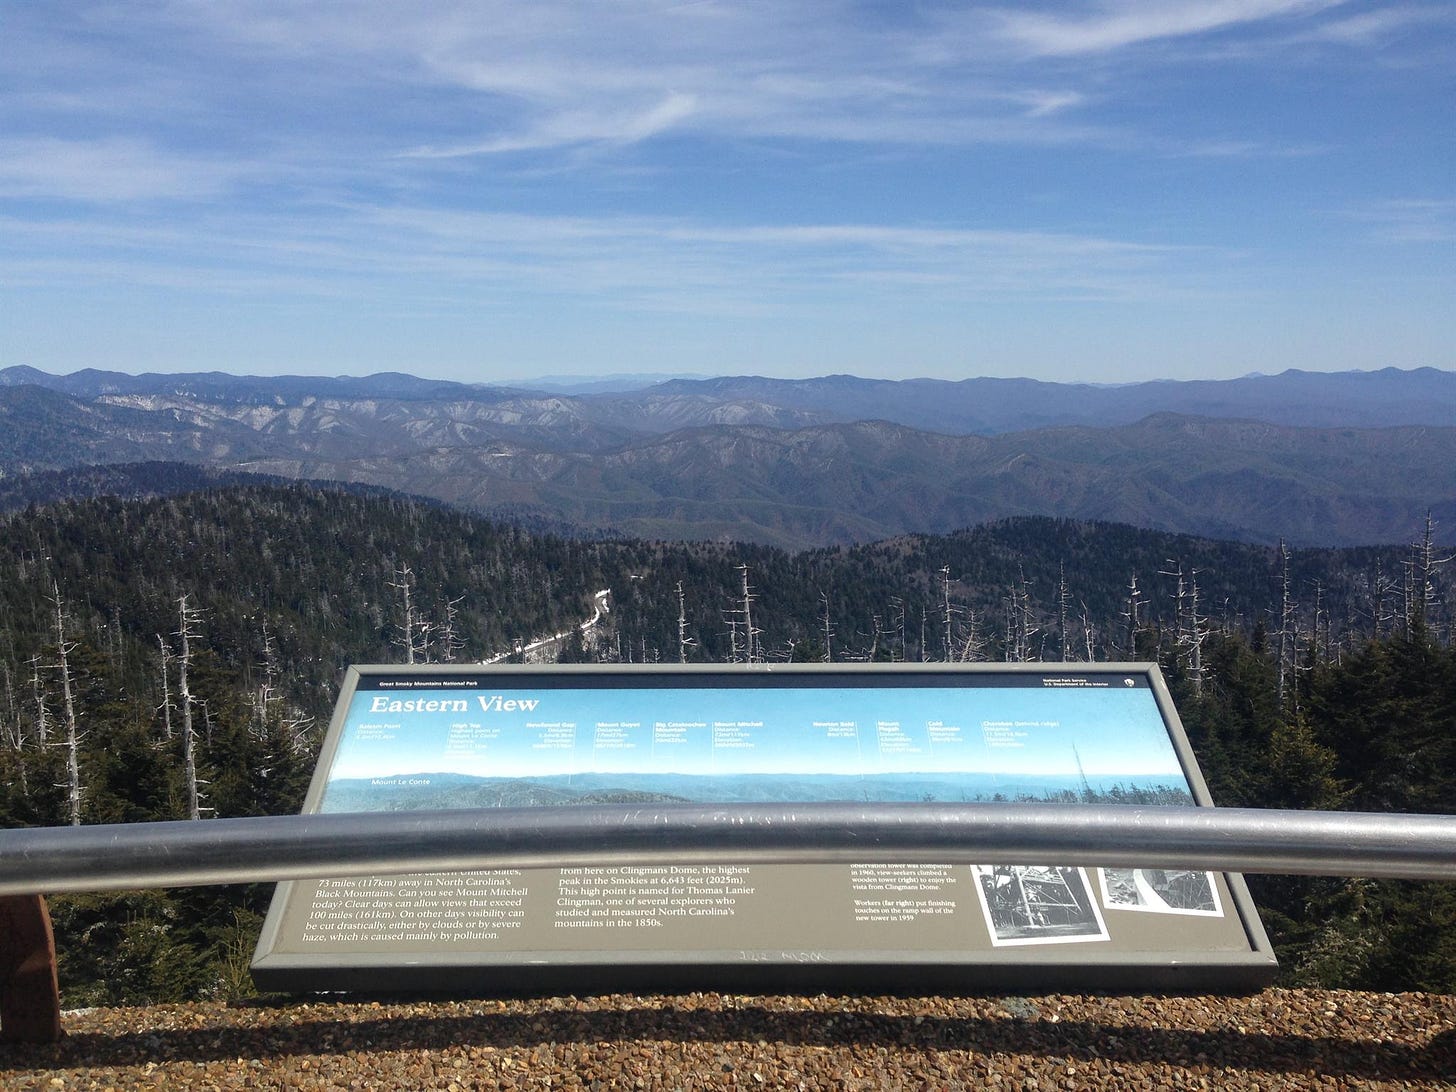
(406, 579)
(1180, 603)
(1191, 627)
(1198, 633)
(973, 646)
(42, 714)
(946, 614)
(188, 617)
(898, 606)
(1423, 565)
(1088, 635)
(751, 650)
(1019, 630)
(1064, 603)
(874, 651)
(1384, 616)
(266, 694)
(1321, 631)
(11, 728)
(828, 630)
(73, 735)
(450, 643)
(166, 709)
(1134, 609)
(683, 640)
(1009, 652)
(14, 727)
(1286, 617)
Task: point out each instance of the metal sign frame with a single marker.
(1138, 936)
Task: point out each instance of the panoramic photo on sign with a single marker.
(438, 738)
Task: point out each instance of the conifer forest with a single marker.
(177, 658)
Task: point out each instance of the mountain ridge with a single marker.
(985, 404)
(721, 459)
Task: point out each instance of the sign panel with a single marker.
(431, 738)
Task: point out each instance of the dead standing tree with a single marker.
(684, 642)
(266, 694)
(965, 647)
(1064, 608)
(1191, 628)
(415, 637)
(1288, 637)
(166, 707)
(897, 616)
(828, 628)
(188, 617)
(1020, 628)
(752, 650)
(1322, 640)
(740, 621)
(42, 713)
(72, 742)
(947, 615)
(973, 646)
(877, 627)
(1382, 613)
(1089, 633)
(1421, 568)
(1132, 616)
(449, 642)
(12, 731)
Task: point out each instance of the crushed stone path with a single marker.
(1277, 1039)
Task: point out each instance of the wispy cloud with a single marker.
(568, 128)
(1117, 25)
(1249, 149)
(557, 75)
(108, 169)
(454, 80)
(631, 263)
(1409, 220)
(1372, 27)
(782, 157)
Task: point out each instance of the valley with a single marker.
(1291, 579)
(795, 464)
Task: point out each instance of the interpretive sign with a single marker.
(473, 737)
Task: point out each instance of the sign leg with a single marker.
(30, 998)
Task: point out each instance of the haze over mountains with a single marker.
(1328, 459)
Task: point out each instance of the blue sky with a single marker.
(1113, 191)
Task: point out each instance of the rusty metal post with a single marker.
(30, 997)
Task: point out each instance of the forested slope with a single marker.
(1310, 678)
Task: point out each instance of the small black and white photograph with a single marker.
(1160, 891)
(1038, 904)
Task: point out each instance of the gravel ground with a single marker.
(1275, 1039)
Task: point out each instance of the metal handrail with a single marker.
(175, 854)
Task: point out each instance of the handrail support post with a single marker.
(30, 996)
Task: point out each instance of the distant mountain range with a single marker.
(412, 790)
(982, 406)
(1328, 459)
